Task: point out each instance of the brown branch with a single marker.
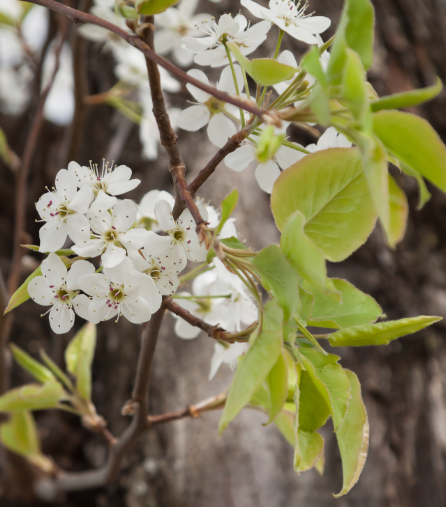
(22, 174)
(215, 332)
(82, 17)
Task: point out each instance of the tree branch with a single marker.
(215, 332)
(82, 17)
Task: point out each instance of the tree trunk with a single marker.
(184, 463)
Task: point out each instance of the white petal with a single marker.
(76, 272)
(136, 311)
(95, 284)
(43, 203)
(119, 273)
(242, 22)
(198, 94)
(266, 174)
(124, 215)
(105, 201)
(187, 8)
(134, 239)
(82, 200)
(194, 44)
(342, 142)
(80, 173)
(138, 261)
(112, 256)
(183, 56)
(228, 230)
(118, 188)
(99, 218)
(40, 292)
(165, 41)
(184, 330)
(143, 286)
(100, 310)
(158, 245)
(217, 359)
(54, 270)
(226, 83)
(52, 236)
(169, 18)
(298, 33)
(211, 57)
(66, 184)
(91, 248)
(257, 10)
(120, 174)
(327, 138)
(147, 205)
(315, 24)
(78, 228)
(220, 129)
(287, 58)
(286, 156)
(163, 213)
(193, 118)
(81, 305)
(61, 318)
(241, 158)
(194, 251)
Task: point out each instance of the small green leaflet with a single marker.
(379, 334)
(356, 308)
(32, 397)
(278, 276)
(425, 195)
(399, 211)
(337, 205)
(227, 207)
(277, 382)
(255, 366)
(354, 89)
(150, 7)
(353, 437)
(312, 64)
(33, 367)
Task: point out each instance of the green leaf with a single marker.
(319, 102)
(79, 357)
(63, 251)
(58, 373)
(336, 202)
(21, 294)
(244, 62)
(277, 381)
(312, 64)
(306, 304)
(227, 207)
(425, 195)
(356, 308)
(412, 140)
(330, 380)
(353, 85)
(399, 211)
(255, 365)
(32, 397)
(150, 7)
(353, 437)
(279, 277)
(302, 252)
(408, 99)
(37, 370)
(285, 424)
(128, 12)
(379, 334)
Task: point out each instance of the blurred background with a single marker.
(184, 463)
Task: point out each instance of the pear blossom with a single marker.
(210, 110)
(225, 353)
(176, 23)
(290, 16)
(63, 211)
(266, 173)
(163, 269)
(181, 236)
(112, 233)
(146, 208)
(117, 291)
(211, 50)
(59, 289)
(104, 184)
(331, 138)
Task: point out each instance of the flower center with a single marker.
(214, 105)
(154, 272)
(116, 294)
(146, 223)
(111, 236)
(289, 11)
(205, 305)
(63, 211)
(64, 295)
(178, 235)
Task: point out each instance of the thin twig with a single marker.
(82, 17)
(22, 174)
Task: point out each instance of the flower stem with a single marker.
(176, 296)
(245, 79)
(195, 272)
(295, 147)
(279, 42)
(228, 52)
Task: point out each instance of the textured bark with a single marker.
(184, 463)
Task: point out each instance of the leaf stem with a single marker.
(234, 77)
(309, 336)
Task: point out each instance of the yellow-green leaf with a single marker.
(37, 370)
(227, 207)
(32, 397)
(277, 382)
(151, 7)
(399, 211)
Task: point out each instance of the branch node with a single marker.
(130, 407)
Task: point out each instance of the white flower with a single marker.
(211, 110)
(266, 173)
(290, 17)
(60, 290)
(177, 23)
(330, 139)
(11, 9)
(146, 208)
(228, 230)
(211, 51)
(181, 237)
(112, 233)
(163, 268)
(63, 211)
(106, 183)
(119, 292)
(228, 354)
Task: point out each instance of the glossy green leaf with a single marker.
(412, 140)
(33, 367)
(408, 99)
(356, 308)
(302, 252)
(79, 357)
(255, 366)
(268, 72)
(336, 202)
(424, 194)
(399, 211)
(32, 397)
(353, 437)
(227, 207)
(150, 7)
(278, 276)
(330, 380)
(354, 89)
(277, 382)
(379, 334)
